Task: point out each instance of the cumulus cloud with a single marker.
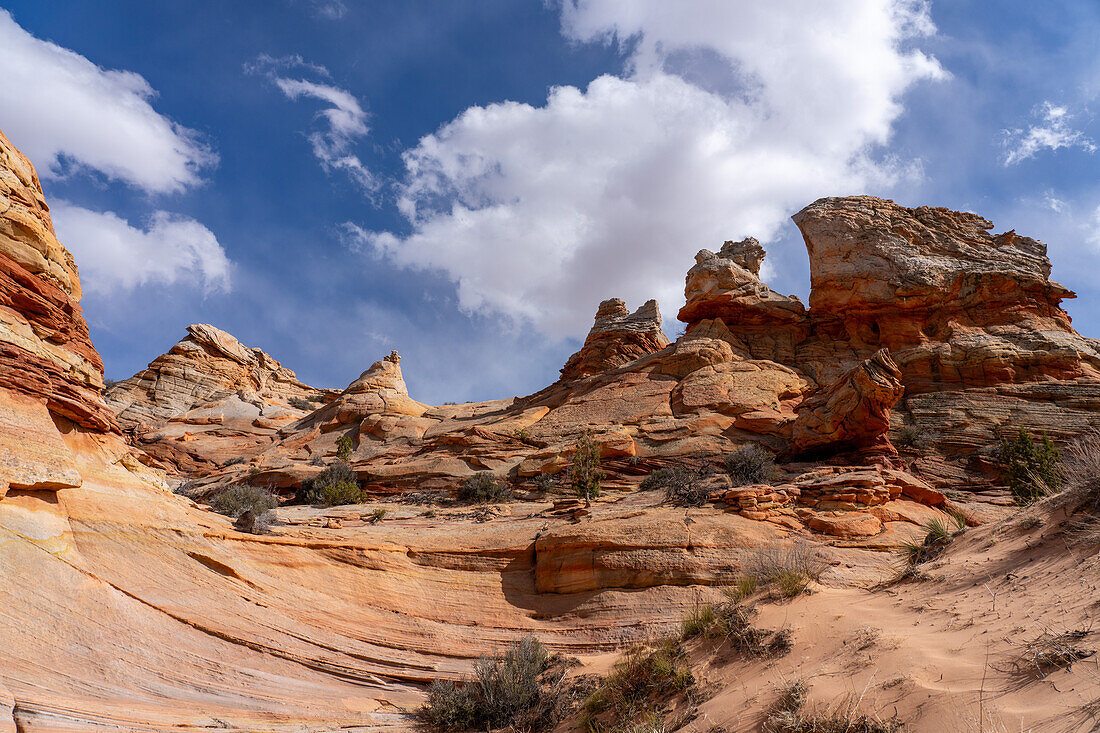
(1053, 131)
(341, 123)
(61, 109)
(731, 116)
(113, 255)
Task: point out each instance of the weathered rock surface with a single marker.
(45, 351)
(617, 337)
(208, 400)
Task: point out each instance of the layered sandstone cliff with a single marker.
(208, 400)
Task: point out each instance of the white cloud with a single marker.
(58, 107)
(343, 122)
(112, 255)
(734, 114)
(1094, 235)
(1051, 133)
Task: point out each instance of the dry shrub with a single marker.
(1081, 469)
(236, 499)
(484, 488)
(750, 464)
(1050, 652)
(787, 567)
(787, 715)
(502, 690)
(682, 486)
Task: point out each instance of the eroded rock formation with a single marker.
(617, 337)
(208, 400)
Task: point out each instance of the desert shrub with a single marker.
(317, 461)
(544, 482)
(187, 488)
(1030, 469)
(912, 437)
(1081, 469)
(334, 486)
(484, 488)
(732, 622)
(108, 383)
(236, 499)
(938, 535)
(1050, 652)
(636, 682)
(682, 486)
(377, 515)
(750, 464)
(744, 587)
(301, 403)
(501, 690)
(787, 715)
(585, 475)
(788, 568)
(344, 447)
(317, 398)
(234, 461)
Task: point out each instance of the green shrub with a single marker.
(636, 682)
(334, 486)
(108, 383)
(234, 461)
(732, 622)
(750, 464)
(682, 486)
(501, 690)
(912, 437)
(938, 535)
(236, 499)
(585, 475)
(344, 447)
(1030, 469)
(484, 488)
(544, 482)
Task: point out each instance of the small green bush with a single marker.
(234, 461)
(1030, 469)
(750, 464)
(683, 486)
(334, 486)
(484, 488)
(344, 447)
(108, 383)
(236, 499)
(501, 690)
(585, 475)
(938, 535)
(732, 622)
(544, 482)
(637, 681)
(912, 437)
(300, 403)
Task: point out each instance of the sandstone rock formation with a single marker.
(45, 351)
(617, 337)
(124, 606)
(208, 400)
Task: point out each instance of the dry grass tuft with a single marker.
(787, 715)
(786, 567)
(732, 623)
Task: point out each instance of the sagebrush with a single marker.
(501, 690)
(750, 464)
(484, 488)
(681, 485)
(236, 499)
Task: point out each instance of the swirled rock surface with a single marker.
(208, 400)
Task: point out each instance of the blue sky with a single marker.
(465, 181)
